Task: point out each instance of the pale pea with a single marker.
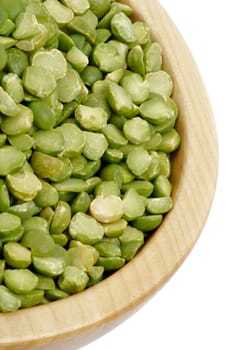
(107, 209)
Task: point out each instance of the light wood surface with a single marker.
(194, 174)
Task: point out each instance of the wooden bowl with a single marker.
(96, 310)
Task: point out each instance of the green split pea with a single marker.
(87, 129)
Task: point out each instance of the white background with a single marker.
(194, 309)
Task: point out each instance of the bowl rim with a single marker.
(194, 174)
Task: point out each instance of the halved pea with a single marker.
(119, 100)
(130, 242)
(95, 145)
(24, 185)
(156, 110)
(118, 120)
(110, 56)
(137, 88)
(116, 173)
(160, 82)
(113, 155)
(107, 188)
(13, 86)
(153, 169)
(3, 60)
(78, 6)
(4, 197)
(122, 28)
(95, 275)
(115, 229)
(55, 294)
(22, 142)
(82, 255)
(170, 141)
(111, 263)
(164, 164)
(138, 161)
(88, 170)
(100, 7)
(71, 87)
(154, 142)
(47, 196)
(20, 124)
(35, 223)
(47, 214)
(52, 29)
(36, 8)
(142, 32)
(65, 172)
(39, 81)
(108, 249)
(74, 140)
(105, 21)
(61, 218)
(9, 301)
(137, 130)
(46, 166)
(135, 60)
(49, 266)
(114, 136)
(81, 203)
(90, 75)
(7, 104)
(9, 225)
(16, 255)
(77, 58)
(153, 57)
(26, 26)
(40, 242)
(7, 27)
(133, 205)
(107, 209)
(91, 118)
(159, 205)
(85, 24)
(24, 210)
(162, 186)
(85, 228)
(57, 10)
(148, 223)
(17, 61)
(32, 298)
(71, 185)
(20, 281)
(11, 160)
(7, 42)
(65, 41)
(52, 60)
(49, 141)
(44, 116)
(143, 187)
(60, 239)
(78, 163)
(103, 34)
(73, 280)
(45, 282)
(92, 183)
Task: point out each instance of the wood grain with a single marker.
(194, 175)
